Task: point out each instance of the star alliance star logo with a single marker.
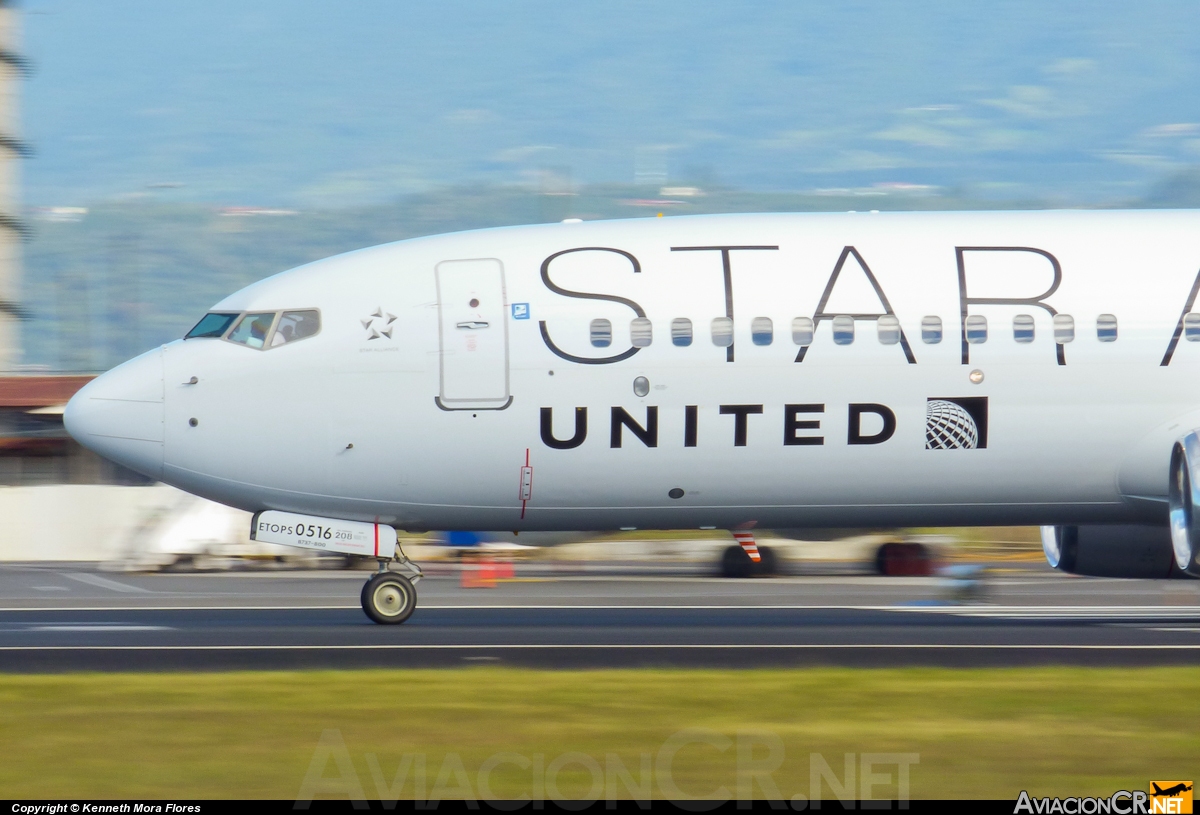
(379, 324)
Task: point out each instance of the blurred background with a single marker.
(155, 157)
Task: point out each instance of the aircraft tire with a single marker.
(883, 556)
(736, 563)
(769, 564)
(389, 598)
(904, 560)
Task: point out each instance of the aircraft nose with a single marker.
(119, 414)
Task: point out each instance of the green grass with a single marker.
(978, 733)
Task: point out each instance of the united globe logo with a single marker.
(949, 427)
(956, 423)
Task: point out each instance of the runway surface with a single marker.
(56, 618)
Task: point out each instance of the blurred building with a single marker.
(12, 229)
(35, 447)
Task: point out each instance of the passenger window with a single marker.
(641, 332)
(1106, 328)
(802, 331)
(843, 329)
(213, 324)
(976, 328)
(253, 329)
(1191, 326)
(722, 332)
(762, 331)
(931, 330)
(888, 327)
(681, 331)
(298, 325)
(601, 333)
(1064, 328)
(1023, 328)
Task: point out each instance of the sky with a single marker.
(314, 104)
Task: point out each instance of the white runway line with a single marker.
(37, 609)
(105, 583)
(1126, 612)
(1010, 612)
(96, 627)
(890, 646)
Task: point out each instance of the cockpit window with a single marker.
(253, 329)
(213, 324)
(296, 325)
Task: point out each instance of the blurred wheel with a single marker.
(920, 560)
(389, 598)
(768, 564)
(736, 563)
(904, 560)
(884, 558)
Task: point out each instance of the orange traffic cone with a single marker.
(478, 574)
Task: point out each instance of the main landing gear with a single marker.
(747, 558)
(389, 598)
(905, 559)
(736, 563)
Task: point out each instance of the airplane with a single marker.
(1169, 792)
(733, 372)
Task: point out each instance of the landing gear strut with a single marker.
(389, 598)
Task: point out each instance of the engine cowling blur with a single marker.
(1183, 500)
(1111, 551)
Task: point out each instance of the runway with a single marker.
(63, 619)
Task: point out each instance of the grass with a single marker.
(978, 733)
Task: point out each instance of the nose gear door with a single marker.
(473, 335)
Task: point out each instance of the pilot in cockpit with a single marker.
(253, 329)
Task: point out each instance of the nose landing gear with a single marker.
(389, 598)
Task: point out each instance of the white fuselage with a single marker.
(415, 408)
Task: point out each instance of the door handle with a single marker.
(473, 325)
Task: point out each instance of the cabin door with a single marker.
(473, 341)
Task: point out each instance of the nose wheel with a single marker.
(389, 598)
